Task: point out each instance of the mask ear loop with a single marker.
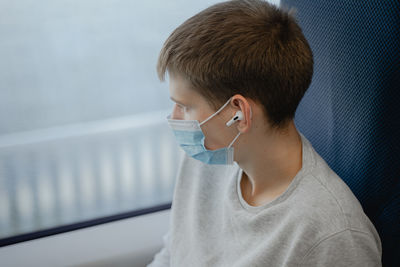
(218, 111)
(233, 141)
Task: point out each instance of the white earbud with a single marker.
(238, 116)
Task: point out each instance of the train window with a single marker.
(83, 132)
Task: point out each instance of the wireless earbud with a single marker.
(238, 116)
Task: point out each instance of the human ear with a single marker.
(242, 105)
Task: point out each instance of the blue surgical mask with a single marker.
(190, 137)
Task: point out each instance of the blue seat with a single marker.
(351, 112)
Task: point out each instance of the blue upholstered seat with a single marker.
(351, 112)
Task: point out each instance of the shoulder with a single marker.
(326, 197)
(332, 194)
(329, 207)
(348, 247)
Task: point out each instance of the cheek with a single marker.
(215, 137)
(210, 143)
(191, 114)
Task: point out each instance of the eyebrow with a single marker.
(176, 101)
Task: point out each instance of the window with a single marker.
(83, 132)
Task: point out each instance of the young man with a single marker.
(251, 190)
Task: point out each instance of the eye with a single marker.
(182, 108)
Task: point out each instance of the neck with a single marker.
(271, 163)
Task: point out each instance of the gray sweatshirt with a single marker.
(317, 221)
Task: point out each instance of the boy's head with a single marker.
(250, 48)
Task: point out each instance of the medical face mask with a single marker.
(191, 138)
